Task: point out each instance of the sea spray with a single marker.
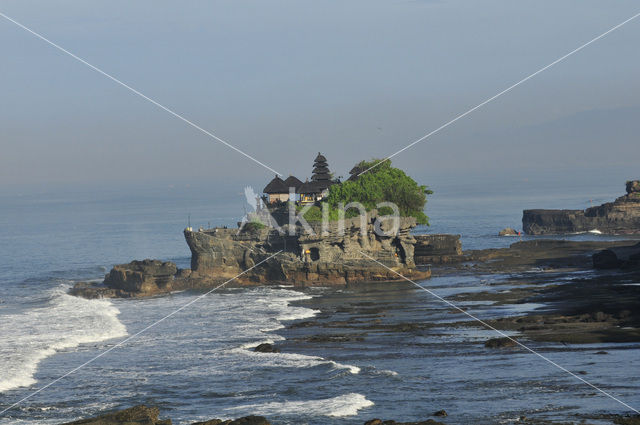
(65, 322)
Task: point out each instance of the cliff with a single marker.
(332, 257)
(617, 218)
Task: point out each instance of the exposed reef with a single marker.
(624, 257)
(143, 415)
(617, 218)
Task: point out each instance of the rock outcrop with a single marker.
(618, 257)
(508, 231)
(437, 248)
(391, 422)
(360, 251)
(617, 218)
(137, 278)
(143, 415)
(137, 415)
(336, 255)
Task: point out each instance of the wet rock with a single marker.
(500, 343)
(441, 413)
(617, 257)
(266, 348)
(335, 338)
(391, 422)
(627, 420)
(146, 276)
(508, 232)
(137, 415)
(247, 420)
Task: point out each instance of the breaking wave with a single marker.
(65, 322)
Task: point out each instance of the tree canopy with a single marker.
(383, 183)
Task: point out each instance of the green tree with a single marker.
(383, 183)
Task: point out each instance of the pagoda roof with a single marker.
(321, 170)
(320, 158)
(276, 185)
(321, 177)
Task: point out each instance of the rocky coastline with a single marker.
(149, 415)
(259, 255)
(621, 217)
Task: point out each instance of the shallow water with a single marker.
(198, 363)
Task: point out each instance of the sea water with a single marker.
(199, 363)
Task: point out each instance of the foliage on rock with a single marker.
(383, 183)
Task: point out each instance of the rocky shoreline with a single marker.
(144, 415)
(589, 308)
(621, 217)
(596, 308)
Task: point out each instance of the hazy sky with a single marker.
(283, 80)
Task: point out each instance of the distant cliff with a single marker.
(620, 217)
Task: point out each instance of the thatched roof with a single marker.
(276, 185)
(293, 181)
(320, 158)
(315, 186)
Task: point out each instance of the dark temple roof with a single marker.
(315, 186)
(276, 185)
(320, 178)
(294, 182)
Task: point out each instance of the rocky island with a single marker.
(617, 218)
(302, 234)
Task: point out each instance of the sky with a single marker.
(284, 79)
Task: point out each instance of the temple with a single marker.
(278, 190)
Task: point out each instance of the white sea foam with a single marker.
(289, 359)
(284, 311)
(66, 322)
(344, 405)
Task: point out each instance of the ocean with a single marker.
(199, 363)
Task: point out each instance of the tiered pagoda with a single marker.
(310, 191)
(317, 188)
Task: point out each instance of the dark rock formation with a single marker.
(266, 348)
(618, 257)
(328, 256)
(508, 232)
(500, 343)
(253, 255)
(137, 278)
(247, 420)
(143, 415)
(381, 422)
(138, 415)
(437, 248)
(142, 276)
(619, 217)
